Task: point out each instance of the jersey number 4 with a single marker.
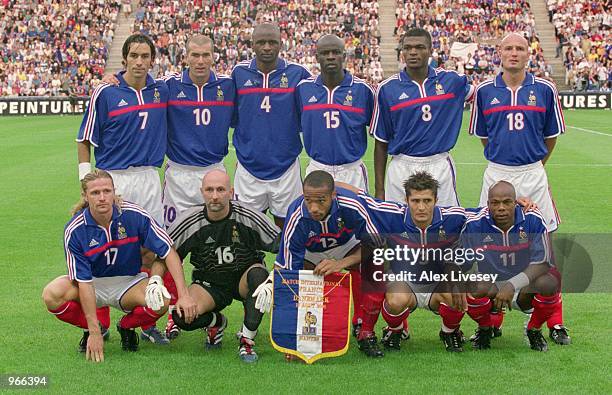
(265, 104)
(224, 255)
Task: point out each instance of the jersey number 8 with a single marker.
(426, 109)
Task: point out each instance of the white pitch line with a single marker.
(590, 131)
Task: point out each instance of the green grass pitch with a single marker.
(39, 180)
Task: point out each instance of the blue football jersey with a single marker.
(199, 118)
(126, 126)
(431, 246)
(266, 134)
(511, 252)
(347, 218)
(420, 119)
(516, 123)
(94, 251)
(333, 123)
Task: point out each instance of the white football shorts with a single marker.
(110, 290)
(355, 173)
(140, 185)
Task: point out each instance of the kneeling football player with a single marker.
(103, 242)
(516, 247)
(226, 240)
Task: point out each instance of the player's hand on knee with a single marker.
(186, 308)
(95, 348)
(504, 297)
(459, 301)
(263, 294)
(155, 293)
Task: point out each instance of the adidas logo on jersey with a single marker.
(487, 239)
(405, 234)
(248, 83)
(312, 100)
(403, 96)
(181, 95)
(209, 240)
(494, 101)
(311, 234)
(122, 103)
(93, 242)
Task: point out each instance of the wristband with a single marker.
(84, 169)
(519, 281)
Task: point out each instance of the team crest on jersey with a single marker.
(522, 235)
(156, 96)
(284, 81)
(122, 103)
(235, 235)
(441, 234)
(220, 96)
(439, 88)
(340, 223)
(181, 95)
(310, 324)
(348, 100)
(121, 233)
(93, 243)
(532, 99)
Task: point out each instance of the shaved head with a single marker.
(330, 40)
(514, 37)
(217, 193)
(502, 189)
(216, 176)
(266, 28)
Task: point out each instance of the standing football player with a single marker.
(518, 117)
(266, 134)
(417, 121)
(335, 109)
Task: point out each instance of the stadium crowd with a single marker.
(54, 47)
(472, 21)
(60, 47)
(582, 30)
(231, 23)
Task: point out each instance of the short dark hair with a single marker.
(139, 39)
(319, 179)
(421, 181)
(418, 32)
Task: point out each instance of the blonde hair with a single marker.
(91, 176)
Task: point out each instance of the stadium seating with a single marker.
(583, 33)
(472, 21)
(231, 23)
(54, 48)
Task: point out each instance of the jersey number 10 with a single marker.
(202, 116)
